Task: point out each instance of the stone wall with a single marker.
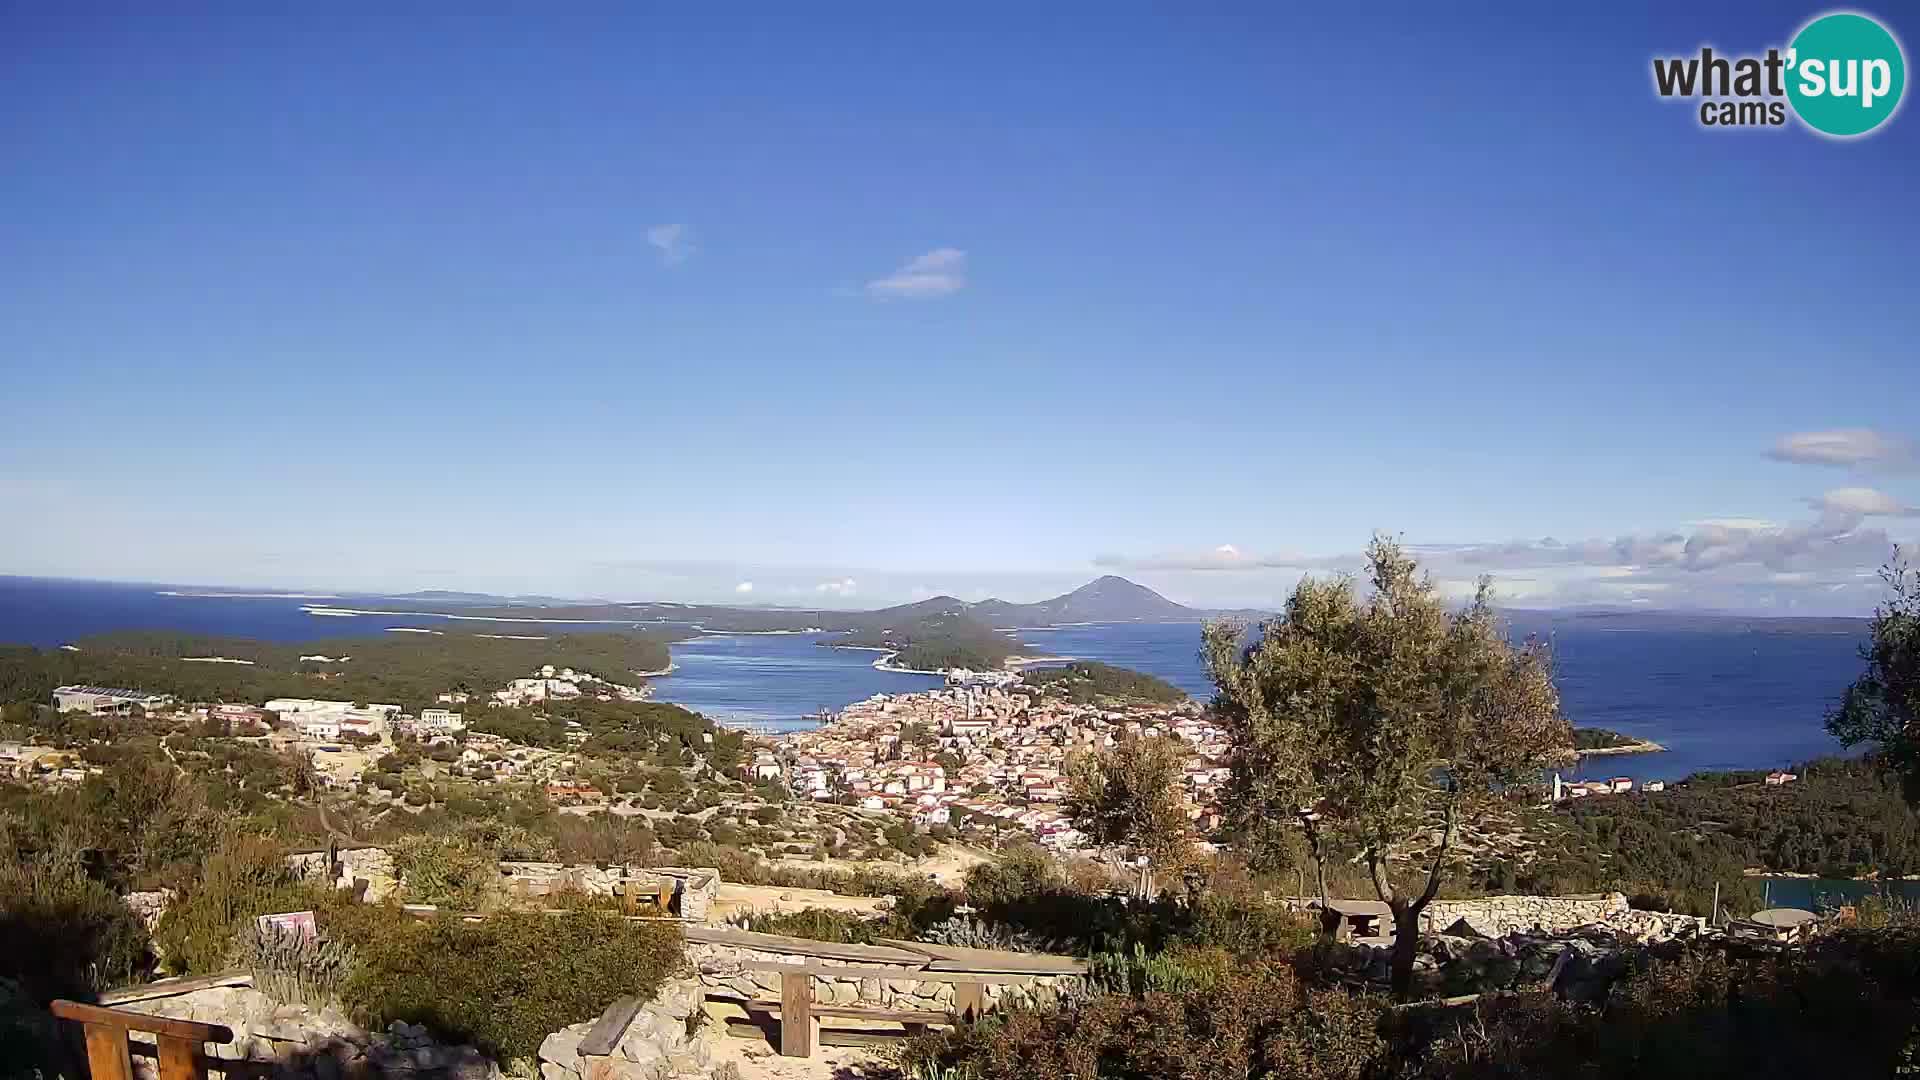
(298, 1042)
(658, 1042)
(694, 888)
(350, 867)
(1495, 916)
(723, 969)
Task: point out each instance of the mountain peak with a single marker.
(1104, 599)
(1107, 583)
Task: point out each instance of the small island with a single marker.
(1597, 741)
(1088, 682)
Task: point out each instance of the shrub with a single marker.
(503, 983)
(449, 872)
(1023, 871)
(816, 924)
(245, 877)
(291, 967)
(968, 933)
(1248, 1023)
(63, 934)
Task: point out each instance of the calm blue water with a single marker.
(1812, 894)
(1717, 700)
(775, 680)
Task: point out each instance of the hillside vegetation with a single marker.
(932, 636)
(1087, 682)
(1844, 817)
(402, 669)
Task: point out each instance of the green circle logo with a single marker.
(1845, 74)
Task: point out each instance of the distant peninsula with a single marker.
(1594, 742)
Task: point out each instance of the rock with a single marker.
(679, 999)
(551, 1071)
(563, 1046)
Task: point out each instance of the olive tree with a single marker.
(1882, 706)
(1128, 796)
(1381, 727)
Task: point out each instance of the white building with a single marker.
(439, 722)
(320, 727)
(105, 699)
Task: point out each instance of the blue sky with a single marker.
(864, 304)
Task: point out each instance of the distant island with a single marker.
(1593, 742)
(932, 635)
(410, 670)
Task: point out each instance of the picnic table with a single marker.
(1346, 919)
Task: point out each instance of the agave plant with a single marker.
(965, 932)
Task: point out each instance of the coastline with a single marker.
(1027, 661)
(1763, 872)
(886, 663)
(1644, 746)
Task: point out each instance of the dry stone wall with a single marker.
(349, 867)
(1497, 916)
(723, 969)
(299, 1042)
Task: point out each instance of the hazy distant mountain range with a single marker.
(941, 632)
(1105, 599)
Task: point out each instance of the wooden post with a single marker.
(970, 1000)
(107, 1053)
(796, 1014)
(180, 1059)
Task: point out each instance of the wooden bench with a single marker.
(799, 1015)
(108, 1053)
(640, 899)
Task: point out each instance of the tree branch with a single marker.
(1439, 857)
(1377, 866)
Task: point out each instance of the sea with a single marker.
(1716, 699)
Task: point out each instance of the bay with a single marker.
(1732, 699)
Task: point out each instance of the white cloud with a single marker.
(1843, 446)
(674, 242)
(1861, 501)
(843, 587)
(937, 273)
(1733, 523)
(744, 587)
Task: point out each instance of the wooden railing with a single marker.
(109, 1056)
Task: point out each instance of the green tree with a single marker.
(1882, 706)
(1129, 797)
(1382, 727)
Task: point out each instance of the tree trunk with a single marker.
(1406, 944)
(1319, 860)
(1407, 911)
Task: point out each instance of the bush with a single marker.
(449, 872)
(1845, 1007)
(817, 924)
(503, 983)
(244, 878)
(1245, 1024)
(63, 934)
(291, 967)
(1025, 870)
(968, 933)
